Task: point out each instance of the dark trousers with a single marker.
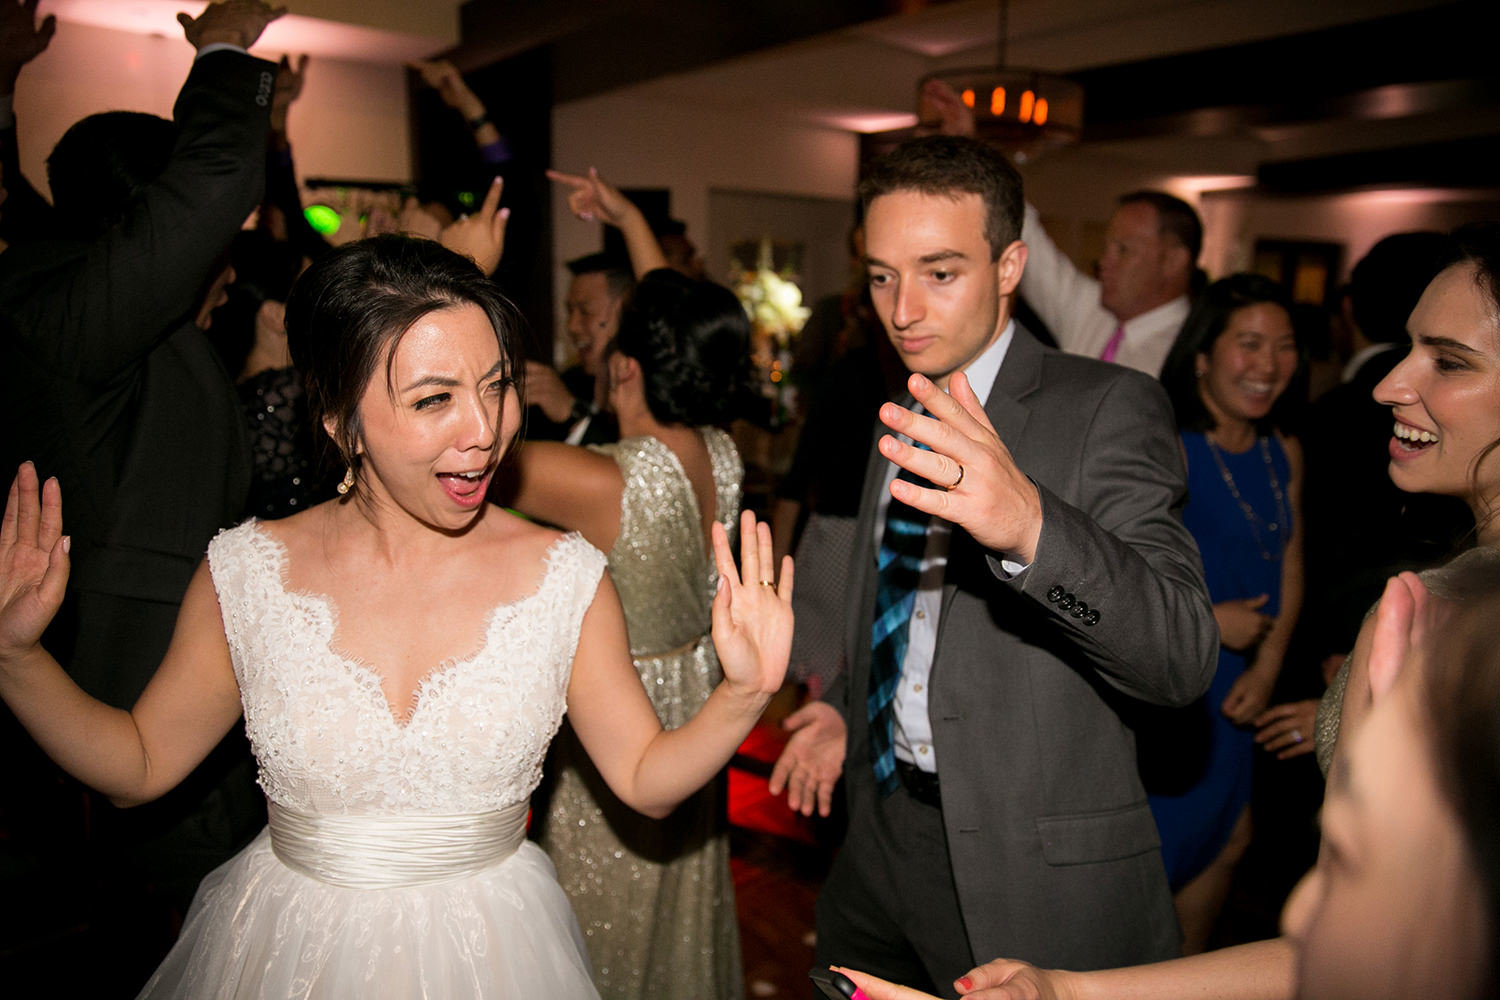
(889, 906)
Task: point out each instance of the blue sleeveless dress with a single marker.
(1197, 816)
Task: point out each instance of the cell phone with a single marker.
(836, 985)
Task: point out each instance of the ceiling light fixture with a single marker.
(1021, 110)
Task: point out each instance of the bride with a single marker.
(402, 657)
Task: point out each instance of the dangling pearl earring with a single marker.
(347, 483)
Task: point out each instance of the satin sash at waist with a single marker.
(390, 852)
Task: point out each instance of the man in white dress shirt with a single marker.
(1131, 314)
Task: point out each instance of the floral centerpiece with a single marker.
(773, 302)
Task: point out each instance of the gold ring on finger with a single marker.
(958, 480)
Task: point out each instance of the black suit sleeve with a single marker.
(92, 313)
(1117, 571)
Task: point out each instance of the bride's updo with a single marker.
(349, 310)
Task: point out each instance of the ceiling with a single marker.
(1214, 87)
(374, 31)
(1303, 95)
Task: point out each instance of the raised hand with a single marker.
(978, 486)
(1241, 622)
(288, 88)
(1403, 618)
(812, 760)
(33, 562)
(593, 198)
(545, 389)
(752, 613)
(481, 236)
(231, 22)
(941, 111)
(444, 77)
(21, 39)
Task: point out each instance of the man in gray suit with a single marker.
(1006, 610)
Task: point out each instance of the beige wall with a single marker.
(351, 121)
(643, 143)
(1075, 191)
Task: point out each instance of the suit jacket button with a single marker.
(1067, 602)
(1055, 594)
(1092, 618)
(1081, 610)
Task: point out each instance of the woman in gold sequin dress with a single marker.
(654, 898)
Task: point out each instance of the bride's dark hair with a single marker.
(352, 307)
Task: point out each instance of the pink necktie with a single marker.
(1111, 348)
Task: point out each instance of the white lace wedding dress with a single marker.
(395, 862)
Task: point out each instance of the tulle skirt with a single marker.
(258, 929)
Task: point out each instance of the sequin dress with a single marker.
(654, 897)
(395, 863)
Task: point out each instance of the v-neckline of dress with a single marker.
(364, 674)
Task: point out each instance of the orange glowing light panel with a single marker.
(968, 98)
(1039, 116)
(1024, 110)
(997, 101)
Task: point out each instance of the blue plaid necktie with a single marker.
(898, 570)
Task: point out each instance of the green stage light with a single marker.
(322, 218)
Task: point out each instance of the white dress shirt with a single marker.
(913, 730)
(1067, 300)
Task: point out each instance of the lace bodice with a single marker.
(319, 723)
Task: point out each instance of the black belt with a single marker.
(919, 784)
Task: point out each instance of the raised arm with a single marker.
(1064, 297)
(444, 77)
(652, 769)
(190, 703)
(23, 212)
(567, 486)
(591, 197)
(103, 307)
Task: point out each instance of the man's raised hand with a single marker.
(976, 482)
(231, 22)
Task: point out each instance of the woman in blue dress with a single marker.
(1227, 375)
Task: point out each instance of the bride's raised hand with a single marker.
(33, 562)
(752, 612)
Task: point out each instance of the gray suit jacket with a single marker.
(1053, 847)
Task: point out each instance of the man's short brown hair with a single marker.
(951, 166)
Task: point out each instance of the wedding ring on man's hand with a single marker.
(960, 479)
(768, 583)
